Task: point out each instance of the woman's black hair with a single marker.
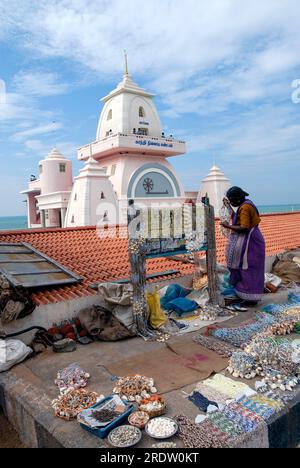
(236, 192)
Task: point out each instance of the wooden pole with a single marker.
(137, 261)
(211, 255)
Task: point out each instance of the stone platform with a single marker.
(26, 392)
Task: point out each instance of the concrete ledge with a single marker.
(28, 410)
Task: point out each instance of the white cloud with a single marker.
(40, 130)
(39, 84)
(229, 62)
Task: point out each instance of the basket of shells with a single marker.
(134, 388)
(139, 419)
(153, 406)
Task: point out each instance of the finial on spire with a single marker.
(126, 63)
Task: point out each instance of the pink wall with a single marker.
(52, 180)
(34, 218)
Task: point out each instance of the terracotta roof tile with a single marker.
(98, 259)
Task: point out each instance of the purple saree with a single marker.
(245, 256)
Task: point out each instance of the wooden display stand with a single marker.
(141, 248)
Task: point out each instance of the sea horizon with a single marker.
(10, 223)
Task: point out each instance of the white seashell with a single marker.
(153, 390)
(273, 386)
(131, 398)
(236, 375)
(283, 388)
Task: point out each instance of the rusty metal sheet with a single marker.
(25, 266)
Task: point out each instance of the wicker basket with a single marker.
(139, 426)
(156, 413)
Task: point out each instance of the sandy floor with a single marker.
(8, 437)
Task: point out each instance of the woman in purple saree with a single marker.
(246, 251)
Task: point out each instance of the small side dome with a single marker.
(55, 154)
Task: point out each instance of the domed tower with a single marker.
(55, 188)
(215, 185)
(55, 173)
(132, 148)
(93, 201)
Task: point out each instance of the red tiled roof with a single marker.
(106, 259)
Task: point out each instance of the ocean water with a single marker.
(8, 223)
(265, 209)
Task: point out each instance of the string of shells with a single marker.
(135, 245)
(138, 307)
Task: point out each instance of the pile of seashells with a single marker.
(68, 406)
(284, 327)
(242, 365)
(135, 388)
(71, 378)
(276, 360)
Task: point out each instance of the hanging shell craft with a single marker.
(135, 245)
(135, 388)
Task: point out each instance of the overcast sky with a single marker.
(223, 73)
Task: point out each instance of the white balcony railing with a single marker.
(133, 143)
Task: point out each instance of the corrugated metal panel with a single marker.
(25, 266)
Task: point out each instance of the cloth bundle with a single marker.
(157, 316)
(288, 271)
(117, 298)
(101, 324)
(175, 300)
(15, 303)
(12, 352)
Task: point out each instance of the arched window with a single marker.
(142, 112)
(102, 196)
(110, 115)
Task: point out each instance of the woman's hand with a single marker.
(226, 203)
(225, 225)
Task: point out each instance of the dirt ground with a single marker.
(8, 437)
